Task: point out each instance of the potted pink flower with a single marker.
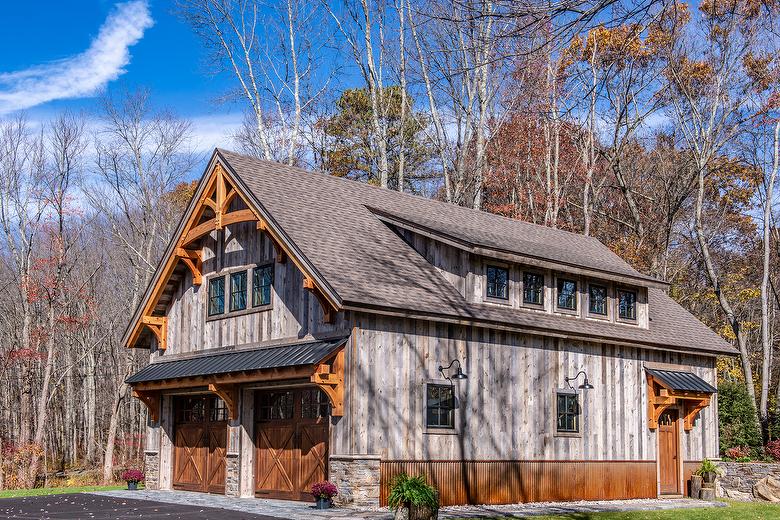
(323, 493)
(133, 477)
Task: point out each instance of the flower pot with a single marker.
(709, 476)
(324, 503)
(132, 486)
(695, 486)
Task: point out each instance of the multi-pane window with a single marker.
(218, 409)
(567, 294)
(190, 409)
(533, 288)
(627, 305)
(262, 281)
(314, 404)
(440, 406)
(498, 282)
(597, 300)
(276, 406)
(568, 413)
(216, 296)
(238, 291)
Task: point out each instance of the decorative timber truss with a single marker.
(212, 212)
(661, 396)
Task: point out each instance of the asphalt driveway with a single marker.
(97, 507)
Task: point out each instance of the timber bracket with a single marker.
(328, 311)
(660, 398)
(329, 377)
(229, 394)
(193, 260)
(152, 402)
(159, 327)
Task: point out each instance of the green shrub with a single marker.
(737, 417)
(406, 490)
(707, 466)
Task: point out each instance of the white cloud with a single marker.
(215, 130)
(85, 73)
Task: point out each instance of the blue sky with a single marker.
(52, 57)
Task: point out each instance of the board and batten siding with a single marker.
(506, 407)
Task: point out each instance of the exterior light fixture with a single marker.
(458, 372)
(585, 384)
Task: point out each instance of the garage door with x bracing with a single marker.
(200, 444)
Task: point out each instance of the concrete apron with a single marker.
(306, 511)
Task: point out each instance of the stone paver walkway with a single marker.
(307, 511)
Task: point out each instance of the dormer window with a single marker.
(533, 288)
(497, 282)
(627, 305)
(597, 300)
(567, 294)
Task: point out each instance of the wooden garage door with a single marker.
(200, 444)
(292, 442)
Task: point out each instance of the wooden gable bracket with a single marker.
(328, 311)
(281, 256)
(159, 327)
(229, 394)
(193, 260)
(691, 411)
(152, 402)
(660, 398)
(329, 376)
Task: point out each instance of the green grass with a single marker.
(16, 493)
(734, 511)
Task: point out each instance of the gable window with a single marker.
(567, 294)
(597, 300)
(627, 305)
(440, 406)
(533, 288)
(262, 281)
(497, 282)
(568, 413)
(238, 291)
(216, 296)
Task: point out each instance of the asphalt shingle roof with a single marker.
(332, 221)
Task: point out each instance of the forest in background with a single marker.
(650, 125)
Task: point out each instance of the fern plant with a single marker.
(707, 466)
(414, 491)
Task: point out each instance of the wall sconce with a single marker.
(585, 384)
(458, 372)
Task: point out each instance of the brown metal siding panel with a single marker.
(506, 482)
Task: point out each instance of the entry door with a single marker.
(200, 444)
(292, 442)
(668, 453)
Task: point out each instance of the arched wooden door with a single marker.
(292, 442)
(669, 453)
(200, 443)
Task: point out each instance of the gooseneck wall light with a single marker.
(585, 384)
(458, 372)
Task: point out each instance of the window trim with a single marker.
(438, 430)
(498, 299)
(591, 314)
(620, 318)
(533, 305)
(577, 302)
(226, 272)
(252, 288)
(579, 420)
(209, 297)
(231, 310)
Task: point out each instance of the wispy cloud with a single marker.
(85, 73)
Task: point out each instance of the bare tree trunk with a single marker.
(113, 425)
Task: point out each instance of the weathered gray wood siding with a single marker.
(507, 404)
(293, 313)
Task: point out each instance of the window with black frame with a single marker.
(238, 291)
(597, 300)
(440, 406)
(533, 288)
(275, 406)
(216, 296)
(498, 282)
(567, 294)
(568, 413)
(262, 281)
(314, 404)
(627, 305)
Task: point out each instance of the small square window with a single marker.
(497, 282)
(262, 281)
(597, 300)
(440, 406)
(533, 288)
(216, 296)
(567, 294)
(627, 305)
(238, 291)
(568, 413)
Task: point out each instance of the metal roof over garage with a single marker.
(295, 354)
(682, 381)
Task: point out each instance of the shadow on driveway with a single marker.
(96, 507)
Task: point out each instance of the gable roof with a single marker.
(338, 227)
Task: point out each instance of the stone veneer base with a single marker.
(357, 479)
(152, 470)
(741, 476)
(232, 475)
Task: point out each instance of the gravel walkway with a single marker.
(306, 511)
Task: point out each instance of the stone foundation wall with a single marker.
(152, 469)
(357, 479)
(741, 476)
(232, 475)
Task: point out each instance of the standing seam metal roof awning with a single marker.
(682, 381)
(296, 354)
